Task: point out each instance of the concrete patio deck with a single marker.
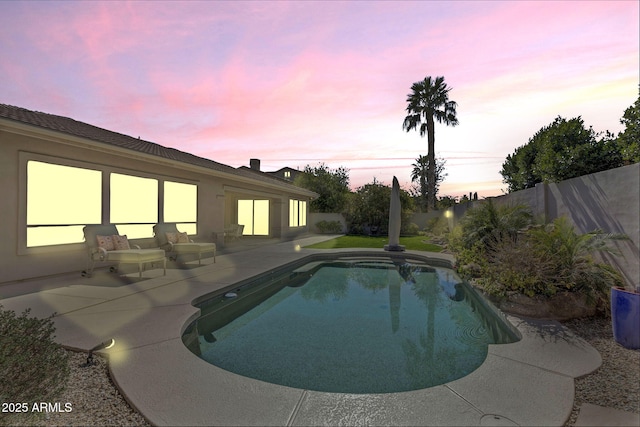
(525, 383)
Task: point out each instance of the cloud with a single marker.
(312, 81)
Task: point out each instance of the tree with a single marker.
(332, 185)
(517, 170)
(419, 174)
(445, 202)
(369, 207)
(427, 102)
(569, 150)
(562, 150)
(629, 139)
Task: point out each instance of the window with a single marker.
(303, 213)
(134, 205)
(62, 196)
(293, 213)
(254, 215)
(181, 205)
(287, 174)
(61, 200)
(297, 213)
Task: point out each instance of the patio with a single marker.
(526, 383)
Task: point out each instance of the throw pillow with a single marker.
(105, 242)
(121, 243)
(183, 238)
(172, 237)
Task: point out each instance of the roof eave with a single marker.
(27, 129)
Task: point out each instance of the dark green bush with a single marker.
(331, 227)
(549, 259)
(568, 261)
(410, 229)
(488, 223)
(480, 229)
(512, 266)
(33, 368)
(369, 208)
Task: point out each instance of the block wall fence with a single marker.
(608, 200)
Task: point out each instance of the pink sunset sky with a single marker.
(297, 83)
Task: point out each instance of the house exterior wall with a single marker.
(214, 197)
(279, 217)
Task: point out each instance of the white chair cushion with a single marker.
(136, 255)
(194, 247)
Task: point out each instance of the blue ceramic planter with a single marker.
(625, 317)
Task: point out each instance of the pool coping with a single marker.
(529, 382)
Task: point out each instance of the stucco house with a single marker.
(58, 174)
(287, 174)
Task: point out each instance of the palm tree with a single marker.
(429, 100)
(419, 173)
(488, 223)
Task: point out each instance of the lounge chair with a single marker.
(105, 244)
(233, 231)
(176, 243)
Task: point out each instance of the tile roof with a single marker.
(84, 130)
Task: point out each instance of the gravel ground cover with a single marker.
(616, 384)
(96, 401)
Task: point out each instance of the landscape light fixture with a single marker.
(102, 346)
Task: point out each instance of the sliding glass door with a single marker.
(254, 215)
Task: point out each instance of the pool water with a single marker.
(351, 326)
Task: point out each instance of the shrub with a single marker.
(549, 259)
(480, 229)
(410, 229)
(470, 257)
(369, 207)
(502, 248)
(33, 368)
(511, 266)
(568, 258)
(488, 223)
(331, 227)
(356, 230)
(436, 226)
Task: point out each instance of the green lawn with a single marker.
(413, 243)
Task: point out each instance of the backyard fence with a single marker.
(608, 200)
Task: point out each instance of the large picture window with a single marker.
(133, 204)
(61, 200)
(297, 213)
(181, 205)
(62, 196)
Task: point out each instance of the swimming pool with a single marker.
(358, 323)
